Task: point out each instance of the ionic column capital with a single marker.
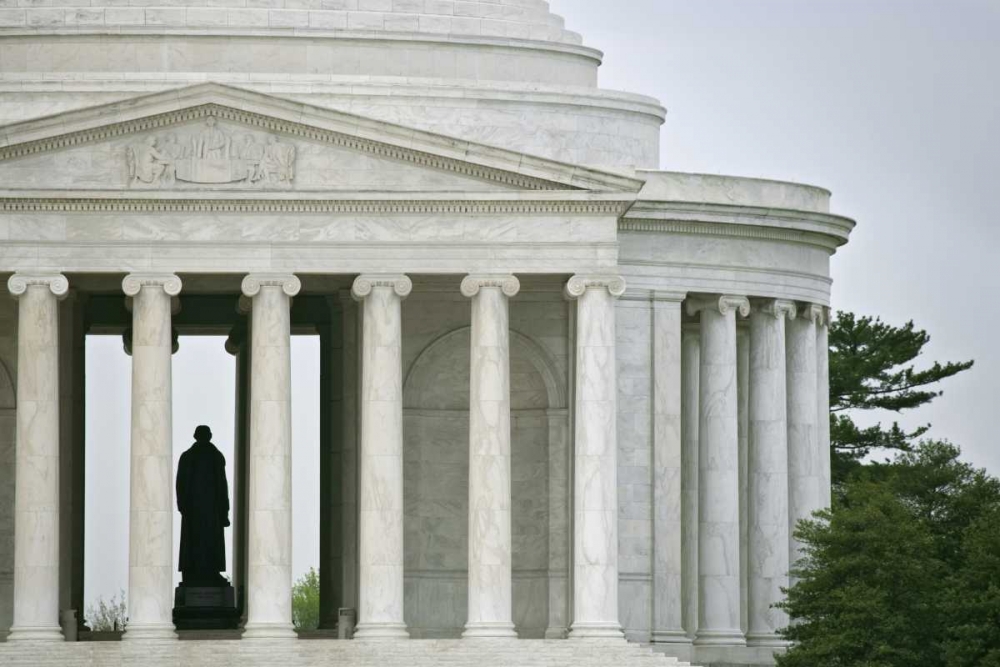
(777, 308)
(578, 285)
(725, 304)
(19, 283)
(813, 313)
(289, 283)
(364, 284)
(134, 282)
(474, 283)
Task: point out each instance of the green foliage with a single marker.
(905, 570)
(305, 601)
(872, 368)
(973, 603)
(108, 616)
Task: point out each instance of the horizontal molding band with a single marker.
(458, 207)
(731, 230)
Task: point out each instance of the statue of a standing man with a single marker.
(203, 501)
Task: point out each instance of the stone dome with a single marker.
(500, 72)
(510, 19)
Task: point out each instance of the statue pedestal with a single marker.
(205, 608)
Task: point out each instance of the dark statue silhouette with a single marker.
(203, 501)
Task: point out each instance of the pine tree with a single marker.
(872, 368)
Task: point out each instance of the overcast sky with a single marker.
(891, 104)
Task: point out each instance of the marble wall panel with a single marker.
(635, 605)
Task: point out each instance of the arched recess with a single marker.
(436, 455)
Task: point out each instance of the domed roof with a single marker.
(505, 19)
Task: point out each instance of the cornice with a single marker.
(308, 206)
(484, 41)
(271, 124)
(731, 230)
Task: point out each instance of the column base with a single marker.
(720, 638)
(489, 631)
(148, 631)
(35, 634)
(381, 631)
(670, 637)
(766, 640)
(596, 631)
(269, 631)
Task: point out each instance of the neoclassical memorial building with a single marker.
(569, 399)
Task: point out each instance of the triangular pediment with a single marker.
(214, 137)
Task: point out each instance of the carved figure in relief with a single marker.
(172, 147)
(146, 164)
(279, 161)
(212, 143)
(251, 152)
(211, 156)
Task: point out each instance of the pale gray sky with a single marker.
(891, 104)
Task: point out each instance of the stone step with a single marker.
(331, 653)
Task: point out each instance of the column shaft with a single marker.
(668, 502)
(768, 494)
(718, 487)
(595, 505)
(805, 494)
(151, 508)
(36, 499)
(270, 458)
(690, 382)
(490, 587)
(823, 405)
(743, 410)
(349, 449)
(380, 552)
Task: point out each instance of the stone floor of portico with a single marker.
(283, 653)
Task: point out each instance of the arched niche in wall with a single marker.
(436, 463)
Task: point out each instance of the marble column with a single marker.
(559, 535)
(805, 493)
(595, 483)
(823, 405)
(269, 577)
(349, 449)
(690, 382)
(768, 468)
(36, 498)
(719, 607)
(237, 344)
(668, 556)
(151, 496)
(490, 586)
(743, 410)
(380, 530)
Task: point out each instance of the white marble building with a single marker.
(566, 394)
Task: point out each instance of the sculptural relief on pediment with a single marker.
(211, 155)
